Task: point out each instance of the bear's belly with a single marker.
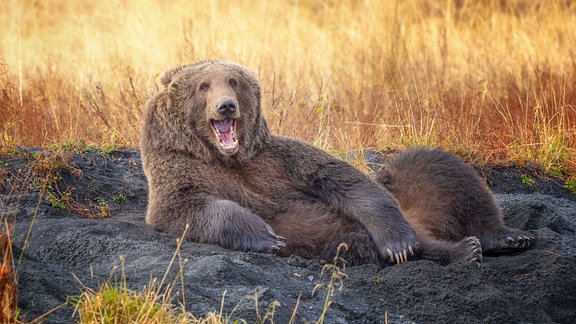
(308, 229)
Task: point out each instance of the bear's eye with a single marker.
(233, 83)
(204, 86)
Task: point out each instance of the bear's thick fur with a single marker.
(212, 163)
(444, 199)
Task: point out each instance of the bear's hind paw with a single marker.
(468, 251)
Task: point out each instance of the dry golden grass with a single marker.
(493, 80)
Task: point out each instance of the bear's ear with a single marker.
(167, 76)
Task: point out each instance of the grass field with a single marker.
(491, 80)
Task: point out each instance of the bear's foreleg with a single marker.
(216, 221)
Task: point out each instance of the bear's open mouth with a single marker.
(225, 132)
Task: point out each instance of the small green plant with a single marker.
(108, 148)
(120, 199)
(113, 143)
(527, 180)
(72, 146)
(570, 184)
(557, 172)
(55, 201)
(12, 151)
(101, 201)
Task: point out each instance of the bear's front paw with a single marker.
(270, 242)
(400, 252)
(248, 232)
(399, 249)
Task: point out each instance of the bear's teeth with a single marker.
(225, 139)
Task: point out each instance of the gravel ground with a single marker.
(534, 286)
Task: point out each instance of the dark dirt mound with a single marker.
(537, 285)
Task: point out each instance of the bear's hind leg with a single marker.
(488, 225)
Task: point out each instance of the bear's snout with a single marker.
(227, 107)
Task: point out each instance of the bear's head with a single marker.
(209, 108)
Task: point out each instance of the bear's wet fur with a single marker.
(212, 163)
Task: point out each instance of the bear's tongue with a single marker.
(225, 132)
(223, 126)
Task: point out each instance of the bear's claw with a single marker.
(521, 242)
(400, 257)
(469, 251)
(504, 242)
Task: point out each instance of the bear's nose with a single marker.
(226, 106)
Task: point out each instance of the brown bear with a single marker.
(445, 199)
(211, 162)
